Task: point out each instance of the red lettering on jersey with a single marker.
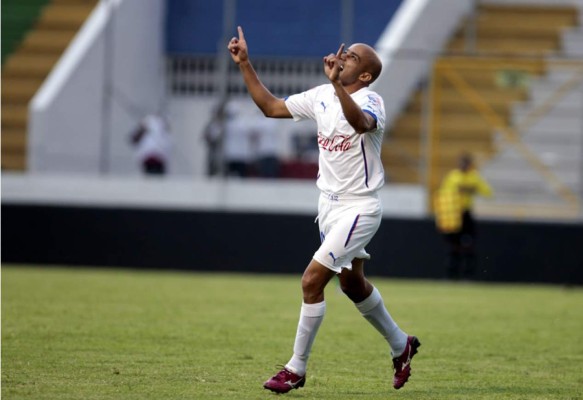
(336, 143)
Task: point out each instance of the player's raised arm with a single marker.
(265, 100)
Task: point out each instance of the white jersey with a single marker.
(156, 141)
(237, 140)
(349, 163)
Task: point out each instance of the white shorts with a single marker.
(346, 225)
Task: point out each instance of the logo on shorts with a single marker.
(333, 258)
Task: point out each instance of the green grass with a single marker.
(104, 334)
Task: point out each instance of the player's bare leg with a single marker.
(293, 375)
(369, 302)
(354, 284)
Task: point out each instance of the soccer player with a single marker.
(350, 123)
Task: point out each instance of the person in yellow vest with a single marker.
(454, 219)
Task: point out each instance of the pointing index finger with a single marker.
(340, 50)
(241, 35)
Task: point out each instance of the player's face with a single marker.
(353, 65)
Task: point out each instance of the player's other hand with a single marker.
(333, 64)
(238, 47)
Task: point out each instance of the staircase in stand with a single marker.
(29, 64)
(511, 32)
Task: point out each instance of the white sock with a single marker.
(373, 309)
(311, 316)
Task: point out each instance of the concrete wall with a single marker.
(78, 125)
(220, 195)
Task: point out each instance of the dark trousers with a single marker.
(268, 167)
(153, 166)
(460, 260)
(238, 168)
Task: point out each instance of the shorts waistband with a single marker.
(339, 197)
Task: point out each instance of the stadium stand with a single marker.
(506, 87)
(494, 30)
(52, 25)
(497, 69)
(111, 207)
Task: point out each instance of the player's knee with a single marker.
(348, 289)
(355, 286)
(310, 284)
(345, 286)
(313, 285)
(352, 288)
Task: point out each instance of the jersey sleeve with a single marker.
(373, 104)
(301, 105)
(482, 187)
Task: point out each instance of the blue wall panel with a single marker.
(371, 18)
(295, 28)
(193, 26)
(274, 27)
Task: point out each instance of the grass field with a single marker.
(104, 334)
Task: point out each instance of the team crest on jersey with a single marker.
(374, 100)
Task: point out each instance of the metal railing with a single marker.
(201, 75)
(530, 169)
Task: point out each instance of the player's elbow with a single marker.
(268, 112)
(364, 124)
(361, 129)
(364, 127)
(275, 109)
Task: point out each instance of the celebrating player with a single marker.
(350, 121)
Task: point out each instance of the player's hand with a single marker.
(333, 64)
(238, 48)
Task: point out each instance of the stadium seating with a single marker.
(506, 32)
(53, 25)
(554, 137)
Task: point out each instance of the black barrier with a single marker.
(274, 243)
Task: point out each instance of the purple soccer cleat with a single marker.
(284, 381)
(402, 364)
